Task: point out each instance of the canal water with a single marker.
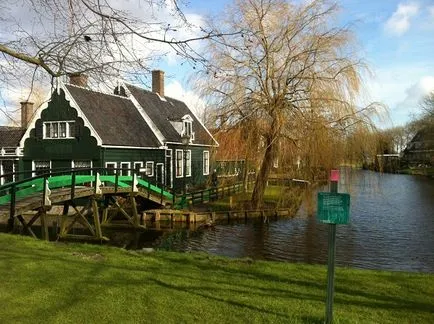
(391, 227)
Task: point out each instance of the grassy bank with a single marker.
(419, 171)
(71, 283)
(274, 197)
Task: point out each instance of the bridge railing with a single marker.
(206, 195)
(88, 177)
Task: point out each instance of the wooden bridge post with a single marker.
(11, 220)
(97, 223)
(44, 224)
(64, 218)
(136, 219)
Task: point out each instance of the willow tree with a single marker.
(293, 71)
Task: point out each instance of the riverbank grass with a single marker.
(274, 197)
(76, 283)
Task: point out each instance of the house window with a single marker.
(41, 167)
(57, 129)
(150, 169)
(82, 164)
(188, 163)
(205, 162)
(137, 167)
(179, 163)
(187, 127)
(110, 166)
(125, 168)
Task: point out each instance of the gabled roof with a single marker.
(164, 111)
(11, 136)
(114, 118)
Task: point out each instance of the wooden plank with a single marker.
(44, 225)
(123, 212)
(135, 213)
(21, 219)
(96, 219)
(83, 219)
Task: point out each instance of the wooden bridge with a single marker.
(91, 196)
(92, 200)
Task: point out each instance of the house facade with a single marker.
(130, 129)
(420, 151)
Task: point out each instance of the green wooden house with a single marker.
(131, 128)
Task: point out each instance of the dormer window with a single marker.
(187, 127)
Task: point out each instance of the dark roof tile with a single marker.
(116, 120)
(11, 136)
(162, 112)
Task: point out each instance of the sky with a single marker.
(396, 41)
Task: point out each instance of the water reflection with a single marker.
(391, 227)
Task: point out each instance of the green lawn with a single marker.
(73, 283)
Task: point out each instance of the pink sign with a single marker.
(334, 175)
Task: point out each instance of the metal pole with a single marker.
(331, 263)
(185, 171)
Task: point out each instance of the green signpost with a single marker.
(333, 208)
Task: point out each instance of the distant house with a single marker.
(130, 129)
(420, 151)
(10, 150)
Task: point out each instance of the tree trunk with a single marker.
(263, 174)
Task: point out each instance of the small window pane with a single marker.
(188, 163)
(179, 164)
(125, 169)
(110, 168)
(150, 169)
(55, 130)
(47, 130)
(62, 129)
(205, 162)
(42, 167)
(71, 129)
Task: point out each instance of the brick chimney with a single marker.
(26, 113)
(78, 79)
(158, 82)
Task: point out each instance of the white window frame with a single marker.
(74, 161)
(121, 168)
(138, 164)
(115, 165)
(187, 127)
(205, 162)
(163, 175)
(67, 130)
(151, 164)
(188, 163)
(34, 166)
(181, 175)
(169, 166)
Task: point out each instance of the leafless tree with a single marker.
(293, 71)
(103, 38)
(427, 106)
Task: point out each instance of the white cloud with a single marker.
(175, 90)
(400, 20)
(431, 11)
(410, 105)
